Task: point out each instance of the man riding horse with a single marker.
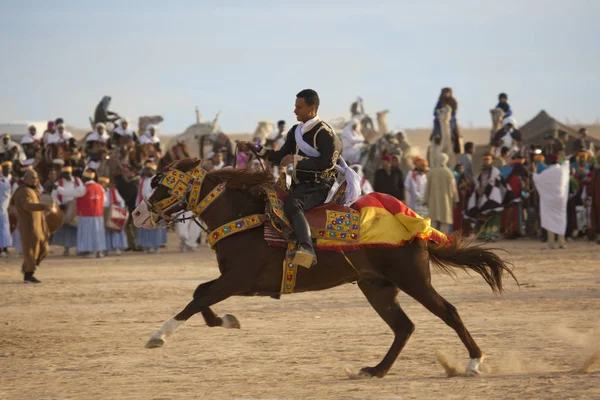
(313, 148)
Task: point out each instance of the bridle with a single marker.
(183, 192)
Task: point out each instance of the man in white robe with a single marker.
(60, 136)
(189, 233)
(441, 194)
(552, 185)
(415, 185)
(353, 142)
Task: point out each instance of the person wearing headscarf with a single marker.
(9, 150)
(353, 142)
(31, 142)
(552, 186)
(150, 139)
(66, 235)
(446, 99)
(517, 179)
(487, 200)
(415, 185)
(365, 185)
(464, 188)
(441, 195)
(91, 240)
(32, 224)
(50, 130)
(115, 240)
(150, 240)
(103, 114)
(406, 155)
(508, 136)
(98, 136)
(389, 180)
(60, 136)
(583, 142)
(123, 130)
(503, 104)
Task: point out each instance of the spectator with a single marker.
(441, 195)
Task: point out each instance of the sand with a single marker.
(81, 334)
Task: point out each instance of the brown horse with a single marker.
(250, 267)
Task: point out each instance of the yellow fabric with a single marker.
(379, 226)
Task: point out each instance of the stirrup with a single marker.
(304, 258)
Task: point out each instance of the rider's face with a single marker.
(303, 111)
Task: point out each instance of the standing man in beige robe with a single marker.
(32, 224)
(441, 195)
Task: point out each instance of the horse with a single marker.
(178, 151)
(250, 267)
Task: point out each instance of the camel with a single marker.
(146, 120)
(382, 122)
(263, 131)
(442, 144)
(497, 117)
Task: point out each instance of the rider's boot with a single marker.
(304, 254)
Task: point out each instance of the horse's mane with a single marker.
(241, 178)
(235, 178)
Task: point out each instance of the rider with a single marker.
(313, 148)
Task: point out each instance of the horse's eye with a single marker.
(155, 181)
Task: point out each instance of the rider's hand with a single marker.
(287, 160)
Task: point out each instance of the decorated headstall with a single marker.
(183, 190)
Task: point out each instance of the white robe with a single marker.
(147, 139)
(30, 139)
(552, 185)
(188, 230)
(96, 137)
(415, 192)
(57, 138)
(353, 142)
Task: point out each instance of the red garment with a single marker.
(92, 203)
(464, 192)
(510, 219)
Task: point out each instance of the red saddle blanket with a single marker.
(374, 220)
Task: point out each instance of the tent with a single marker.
(544, 124)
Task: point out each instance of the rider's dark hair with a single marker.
(469, 146)
(310, 97)
(502, 96)
(280, 122)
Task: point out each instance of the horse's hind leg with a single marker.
(381, 294)
(422, 291)
(211, 319)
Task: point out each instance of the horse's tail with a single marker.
(458, 253)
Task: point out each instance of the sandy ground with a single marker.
(81, 334)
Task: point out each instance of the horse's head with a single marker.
(174, 190)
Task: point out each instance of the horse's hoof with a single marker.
(230, 322)
(473, 367)
(365, 373)
(153, 343)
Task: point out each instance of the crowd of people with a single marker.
(90, 181)
(550, 192)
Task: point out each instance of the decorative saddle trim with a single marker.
(237, 226)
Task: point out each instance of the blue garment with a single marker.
(163, 236)
(149, 238)
(575, 167)
(505, 171)
(66, 236)
(115, 240)
(5, 236)
(456, 176)
(540, 167)
(90, 234)
(506, 108)
(437, 130)
(16, 238)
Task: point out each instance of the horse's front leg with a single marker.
(206, 294)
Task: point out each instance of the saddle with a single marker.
(329, 221)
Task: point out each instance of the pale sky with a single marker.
(249, 58)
